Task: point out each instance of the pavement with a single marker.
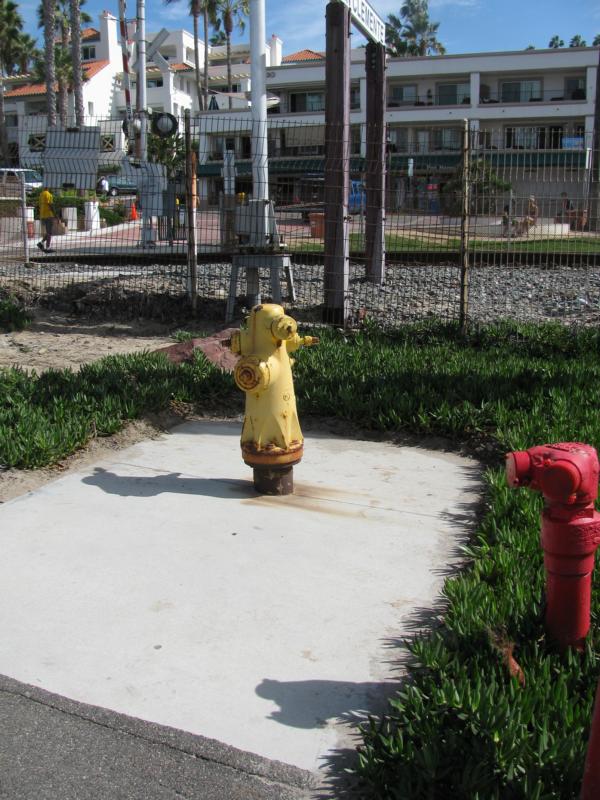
(169, 633)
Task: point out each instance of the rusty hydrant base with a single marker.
(268, 480)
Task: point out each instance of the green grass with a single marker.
(399, 244)
(44, 418)
(461, 727)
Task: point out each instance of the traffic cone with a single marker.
(133, 214)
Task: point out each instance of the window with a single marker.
(307, 101)
(422, 142)
(521, 138)
(521, 91)
(556, 137)
(453, 94)
(575, 88)
(355, 140)
(355, 98)
(154, 83)
(90, 109)
(246, 144)
(402, 96)
(235, 87)
(88, 53)
(447, 138)
(399, 140)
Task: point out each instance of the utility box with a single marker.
(255, 224)
(151, 180)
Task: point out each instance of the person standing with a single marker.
(47, 217)
(103, 185)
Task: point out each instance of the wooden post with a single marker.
(594, 168)
(375, 168)
(190, 201)
(337, 163)
(464, 231)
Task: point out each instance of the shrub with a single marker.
(114, 215)
(13, 316)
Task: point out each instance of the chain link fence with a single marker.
(478, 224)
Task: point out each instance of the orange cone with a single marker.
(133, 215)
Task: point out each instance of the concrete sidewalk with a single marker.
(160, 586)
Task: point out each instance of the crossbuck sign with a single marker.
(366, 20)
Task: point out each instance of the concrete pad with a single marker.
(161, 586)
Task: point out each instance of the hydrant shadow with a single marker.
(313, 703)
(168, 483)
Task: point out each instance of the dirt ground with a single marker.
(56, 341)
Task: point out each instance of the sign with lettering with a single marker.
(366, 19)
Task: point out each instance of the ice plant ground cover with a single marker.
(462, 726)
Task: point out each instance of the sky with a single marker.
(466, 26)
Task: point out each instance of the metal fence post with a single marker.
(190, 202)
(24, 219)
(464, 230)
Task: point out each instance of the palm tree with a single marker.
(556, 42)
(49, 17)
(63, 71)
(209, 17)
(218, 38)
(10, 30)
(232, 13)
(577, 41)
(396, 43)
(76, 18)
(26, 53)
(596, 41)
(208, 10)
(65, 51)
(195, 7)
(413, 33)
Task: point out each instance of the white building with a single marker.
(171, 90)
(536, 106)
(532, 113)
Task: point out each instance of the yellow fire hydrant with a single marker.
(271, 441)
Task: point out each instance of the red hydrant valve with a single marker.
(566, 474)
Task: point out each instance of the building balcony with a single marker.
(508, 97)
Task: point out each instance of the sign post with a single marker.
(337, 157)
(375, 169)
(339, 15)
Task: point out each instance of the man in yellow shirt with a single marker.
(47, 217)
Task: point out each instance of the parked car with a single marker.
(10, 181)
(117, 184)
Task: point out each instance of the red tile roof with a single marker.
(22, 91)
(91, 68)
(90, 33)
(94, 67)
(303, 55)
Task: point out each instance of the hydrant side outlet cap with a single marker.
(560, 480)
(518, 465)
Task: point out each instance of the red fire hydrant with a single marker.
(567, 476)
